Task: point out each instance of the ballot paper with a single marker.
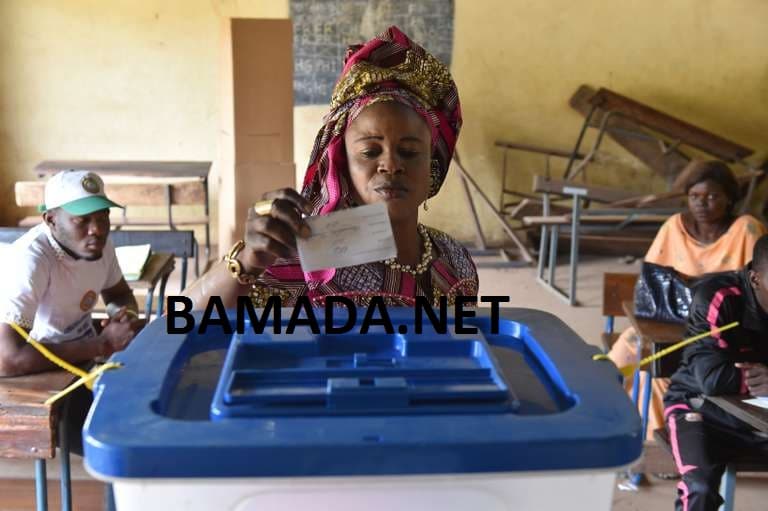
(762, 402)
(348, 237)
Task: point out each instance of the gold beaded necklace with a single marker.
(426, 256)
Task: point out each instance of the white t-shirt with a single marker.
(50, 292)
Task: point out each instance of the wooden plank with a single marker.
(594, 219)
(537, 149)
(26, 424)
(670, 126)
(617, 288)
(31, 193)
(117, 221)
(631, 137)
(618, 243)
(752, 415)
(527, 207)
(596, 193)
(653, 331)
(199, 169)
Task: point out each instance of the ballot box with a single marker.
(476, 413)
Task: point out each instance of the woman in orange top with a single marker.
(707, 238)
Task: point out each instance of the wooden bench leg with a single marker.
(41, 486)
(728, 488)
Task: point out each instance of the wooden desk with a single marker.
(653, 331)
(198, 169)
(158, 269)
(148, 170)
(753, 415)
(28, 428)
(656, 335)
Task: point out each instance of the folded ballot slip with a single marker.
(346, 238)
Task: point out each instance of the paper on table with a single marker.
(347, 238)
(132, 259)
(762, 402)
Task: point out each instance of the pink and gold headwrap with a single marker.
(389, 67)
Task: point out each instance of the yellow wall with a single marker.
(116, 79)
(517, 63)
(137, 79)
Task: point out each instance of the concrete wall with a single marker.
(517, 63)
(114, 79)
(138, 80)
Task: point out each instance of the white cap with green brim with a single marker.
(78, 192)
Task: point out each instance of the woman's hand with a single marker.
(273, 235)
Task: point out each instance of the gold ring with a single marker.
(263, 207)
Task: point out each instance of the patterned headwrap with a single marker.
(389, 67)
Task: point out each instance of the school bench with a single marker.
(29, 429)
(139, 183)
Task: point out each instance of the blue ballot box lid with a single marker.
(362, 374)
(528, 397)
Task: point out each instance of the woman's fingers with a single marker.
(271, 227)
(271, 233)
(266, 249)
(285, 210)
(291, 195)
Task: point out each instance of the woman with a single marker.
(389, 137)
(707, 238)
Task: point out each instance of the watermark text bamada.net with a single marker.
(180, 320)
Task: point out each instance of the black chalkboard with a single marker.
(322, 30)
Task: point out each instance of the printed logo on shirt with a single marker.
(88, 301)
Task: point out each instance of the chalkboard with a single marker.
(322, 30)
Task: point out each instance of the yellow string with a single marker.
(629, 370)
(85, 378)
(47, 353)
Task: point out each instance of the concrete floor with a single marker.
(521, 286)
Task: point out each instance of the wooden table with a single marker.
(653, 331)
(28, 427)
(26, 424)
(753, 415)
(158, 269)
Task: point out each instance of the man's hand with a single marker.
(119, 330)
(121, 314)
(756, 376)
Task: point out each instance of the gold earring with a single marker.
(426, 206)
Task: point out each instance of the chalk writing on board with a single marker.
(322, 30)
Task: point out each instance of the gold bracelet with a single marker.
(235, 268)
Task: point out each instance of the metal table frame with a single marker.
(547, 262)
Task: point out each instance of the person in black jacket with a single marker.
(735, 361)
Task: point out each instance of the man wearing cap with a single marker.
(54, 276)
